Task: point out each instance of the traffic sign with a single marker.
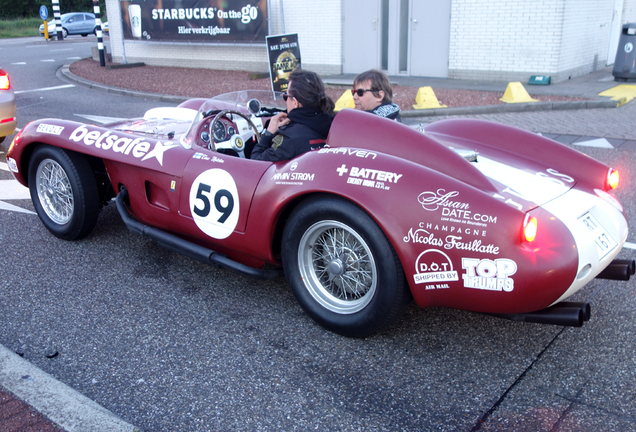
(44, 12)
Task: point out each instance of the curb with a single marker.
(482, 109)
(61, 404)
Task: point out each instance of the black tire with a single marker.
(84, 34)
(64, 33)
(64, 192)
(353, 284)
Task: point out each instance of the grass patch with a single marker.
(20, 27)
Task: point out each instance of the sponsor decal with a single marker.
(136, 147)
(453, 211)
(433, 265)
(369, 177)
(424, 235)
(349, 152)
(13, 166)
(201, 156)
(173, 186)
(50, 129)
(491, 275)
(214, 202)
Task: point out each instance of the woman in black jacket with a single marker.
(304, 126)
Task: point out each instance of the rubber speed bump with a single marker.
(621, 93)
(426, 99)
(515, 93)
(345, 101)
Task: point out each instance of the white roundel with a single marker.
(214, 203)
(628, 47)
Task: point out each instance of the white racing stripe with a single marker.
(629, 245)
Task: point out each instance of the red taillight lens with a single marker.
(612, 179)
(5, 83)
(529, 228)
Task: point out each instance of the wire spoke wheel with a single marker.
(337, 266)
(342, 268)
(54, 191)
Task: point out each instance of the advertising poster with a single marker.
(284, 58)
(215, 21)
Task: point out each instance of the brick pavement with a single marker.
(17, 416)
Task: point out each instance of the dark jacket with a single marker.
(307, 130)
(388, 110)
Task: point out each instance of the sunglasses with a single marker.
(360, 92)
(286, 96)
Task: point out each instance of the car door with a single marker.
(89, 23)
(74, 23)
(216, 193)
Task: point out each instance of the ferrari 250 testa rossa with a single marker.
(463, 214)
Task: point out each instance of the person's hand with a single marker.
(277, 121)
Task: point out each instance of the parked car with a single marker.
(464, 214)
(73, 23)
(8, 120)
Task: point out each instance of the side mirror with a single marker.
(254, 106)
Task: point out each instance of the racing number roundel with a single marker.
(214, 203)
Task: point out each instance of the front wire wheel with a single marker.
(341, 267)
(64, 192)
(54, 191)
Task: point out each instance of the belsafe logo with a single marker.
(136, 147)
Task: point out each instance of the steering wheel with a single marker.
(236, 142)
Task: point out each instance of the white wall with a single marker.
(513, 39)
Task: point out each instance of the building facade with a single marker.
(506, 40)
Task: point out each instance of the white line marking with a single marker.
(4, 166)
(598, 143)
(47, 61)
(12, 190)
(11, 207)
(57, 50)
(100, 119)
(73, 58)
(19, 63)
(629, 245)
(45, 89)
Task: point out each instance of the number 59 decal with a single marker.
(214, 203)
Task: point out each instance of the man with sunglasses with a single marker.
(372, 92)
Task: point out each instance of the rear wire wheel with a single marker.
(64, 192)
(342, 268)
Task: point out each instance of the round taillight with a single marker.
(612, 179)
(529, 228)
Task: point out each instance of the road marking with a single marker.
(101, 119)
(598, 143)
(73, 58)
(64, 49)
(12, 190)
(46, 89)
(47, 60)
(19, 63)
(629, 245)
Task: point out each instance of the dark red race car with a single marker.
(463, 214)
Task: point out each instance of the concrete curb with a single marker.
(61, 404)
(483, 109)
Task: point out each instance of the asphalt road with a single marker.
(170, 344)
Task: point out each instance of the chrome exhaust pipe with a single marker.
(618, 270)
(571, 314)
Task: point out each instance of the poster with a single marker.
(213, 21)
(284, 58)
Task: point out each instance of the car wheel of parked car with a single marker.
(342, 268)
(64, 33)
(64, 192)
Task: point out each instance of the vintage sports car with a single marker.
(462, 214)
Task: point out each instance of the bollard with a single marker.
(100, 40)
(58, 19)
